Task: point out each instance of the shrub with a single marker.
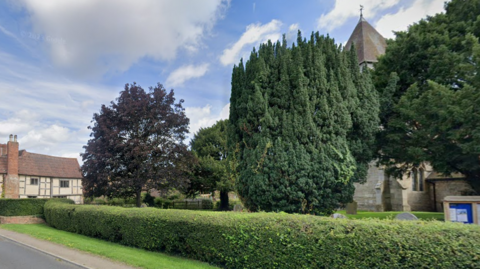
(206, 204)
(21, 207)
(116, 202)
(162, 203)
(148, 199)
(99, 201)
(276, 240)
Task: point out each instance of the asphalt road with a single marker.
(17, 256)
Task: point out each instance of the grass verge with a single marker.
(131, 256)
(391, 215)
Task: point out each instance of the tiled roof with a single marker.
(33, 164)
(368, 42)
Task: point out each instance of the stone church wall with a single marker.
(450, 188)
(396, 195)
(365, 194)
(421, 200)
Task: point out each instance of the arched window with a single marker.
(414, 179)
(420, 182)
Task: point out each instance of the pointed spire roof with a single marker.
(368, 42)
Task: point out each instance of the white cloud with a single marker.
(186, 72)
(49, 115)
(202, 117)
(111, 35)
(345, 9)
(254, 34)
(291, 35)
(407, 16)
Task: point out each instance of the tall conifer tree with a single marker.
(302, 121)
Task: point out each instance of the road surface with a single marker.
(17, 256)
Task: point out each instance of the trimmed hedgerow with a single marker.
(276, 240)
(21, 207)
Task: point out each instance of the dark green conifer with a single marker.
(299, 118)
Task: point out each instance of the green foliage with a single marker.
(21, 207)
(429, 82)
(277, 240)
(116, 202)
(303, 122)
(212, 171)
(199, 204)
(99, 201)
(148, 199)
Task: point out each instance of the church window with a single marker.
(414, 179)
(420, 182)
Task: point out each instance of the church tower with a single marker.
(368, 43)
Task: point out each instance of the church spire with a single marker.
(361, 13)
(369, 43)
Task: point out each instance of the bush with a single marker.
(148, 199)
(116, 202)
(21, 207)
(276, 240)
(162, 203)
(99, 201)
(206, 204)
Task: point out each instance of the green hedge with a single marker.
(276, 240)
(21, 207)
(200, 204)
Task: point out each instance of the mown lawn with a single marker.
(391, 215)
(131, 256)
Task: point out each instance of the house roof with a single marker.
(369, 43)
(33, 164)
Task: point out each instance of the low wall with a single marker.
(21, 220)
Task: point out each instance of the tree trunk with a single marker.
(224, 203)
(139, 198)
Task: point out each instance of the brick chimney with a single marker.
(12, 181)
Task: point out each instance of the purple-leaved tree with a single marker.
(137, 144)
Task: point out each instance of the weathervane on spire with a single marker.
(361, 11)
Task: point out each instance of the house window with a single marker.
(59, 196)
(64, 183)
(33, 181)
(31, 197)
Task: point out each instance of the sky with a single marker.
(61, 60)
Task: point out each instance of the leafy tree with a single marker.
(302, 123)
(429, 81)
(136, 144)
(212, 171)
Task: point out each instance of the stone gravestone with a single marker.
(237, 208)
(351, 208)
(406, 216)
(338, 216)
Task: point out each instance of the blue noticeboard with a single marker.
(461, 213)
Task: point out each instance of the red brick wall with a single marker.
(11, 181)
(21, 220)
(12, 159)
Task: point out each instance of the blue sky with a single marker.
(60, 60)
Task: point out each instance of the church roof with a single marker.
(368, 42)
